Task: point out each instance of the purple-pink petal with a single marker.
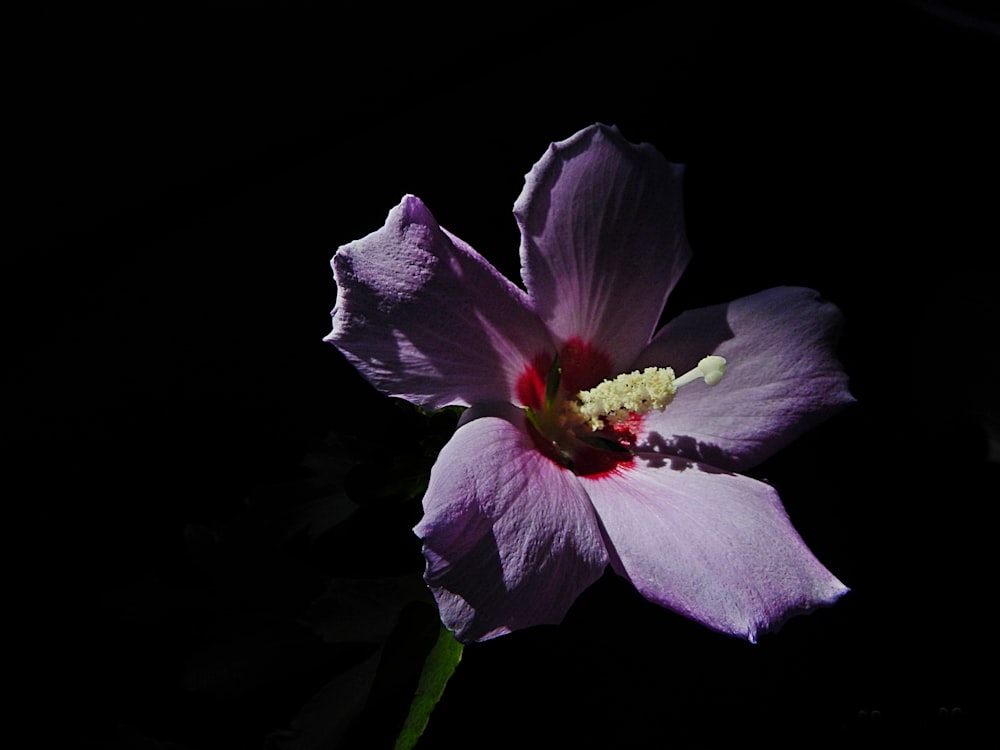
(716, 547)
(602, 239)
(782, 377)
(426, 318)
(510, 539)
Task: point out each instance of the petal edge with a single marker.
(716, 547)
(602, 239)
(782, 377)
(510, 539)
(426, 318)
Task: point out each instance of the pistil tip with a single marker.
(712, 368)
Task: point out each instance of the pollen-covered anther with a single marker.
(636, 393)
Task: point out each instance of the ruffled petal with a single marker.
(426, 318)
(510, 539)
(716, 547)
(602, 239)
(782, 377)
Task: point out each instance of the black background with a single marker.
(182, 175)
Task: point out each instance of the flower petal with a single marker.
(602, 239)
(426, 318)
(510, 539)
(782, 377)
(716, 547)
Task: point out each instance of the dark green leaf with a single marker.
(322, 722)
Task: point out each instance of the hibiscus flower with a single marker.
(582, 446)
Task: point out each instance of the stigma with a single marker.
(640, 392)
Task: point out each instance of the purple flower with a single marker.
(581, 448)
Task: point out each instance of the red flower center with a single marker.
(544, 392)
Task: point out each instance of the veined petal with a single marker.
(602, 239)
(510, 539)
(426, 318)
(782, 377)
(716, 547)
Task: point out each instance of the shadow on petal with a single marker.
(681, 450)
(465, 599)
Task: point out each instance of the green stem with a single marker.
(439, 666)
